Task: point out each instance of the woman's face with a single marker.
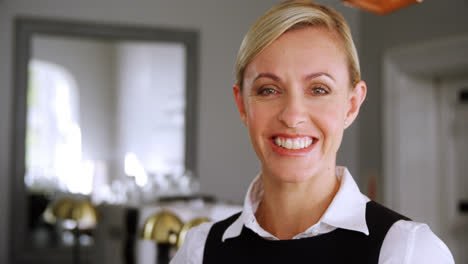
(295, 101)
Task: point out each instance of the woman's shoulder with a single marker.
(193, 247)
(405, 240)
(198, 232)
(408, 241)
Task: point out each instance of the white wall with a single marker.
(226, 160)
(5, 112)
(430, 20)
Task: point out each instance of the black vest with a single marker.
(338, 246)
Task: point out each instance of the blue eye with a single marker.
(266, 91)
(319, 91)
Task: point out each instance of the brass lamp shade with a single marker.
(61, 209)
(187, 226)
(84, 213)
(162, 227)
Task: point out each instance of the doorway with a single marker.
(453, 122)
(425, 137)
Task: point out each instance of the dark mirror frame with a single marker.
(25, 28)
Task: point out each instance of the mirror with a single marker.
(103, 113)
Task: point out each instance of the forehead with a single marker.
(301, 51)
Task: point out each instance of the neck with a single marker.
(288, 209)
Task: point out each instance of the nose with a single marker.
(294, 112)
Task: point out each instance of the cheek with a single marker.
(330, 119)
(258, 115)
(255, 122)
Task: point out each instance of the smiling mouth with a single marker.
(294, 143)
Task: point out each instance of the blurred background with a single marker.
(407, 150)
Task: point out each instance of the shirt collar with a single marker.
(347, 209)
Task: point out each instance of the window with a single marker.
(53, 136)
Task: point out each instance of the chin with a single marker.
(290, 175)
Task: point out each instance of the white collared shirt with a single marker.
(406, 241)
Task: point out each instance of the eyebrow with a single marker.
(318, 74)
(267, 75)
(307, 77)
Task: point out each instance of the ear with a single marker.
(356, 97)
(240, 103)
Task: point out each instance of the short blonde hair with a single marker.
(291, 15)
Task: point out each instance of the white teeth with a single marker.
(278, 141)
(296, 143)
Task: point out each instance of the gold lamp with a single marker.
(164, 228)
(187, 226)
(82, 213)
(85, 214)
(61, 209)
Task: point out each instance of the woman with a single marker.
(297, 89)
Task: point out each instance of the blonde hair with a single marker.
(290, 15)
